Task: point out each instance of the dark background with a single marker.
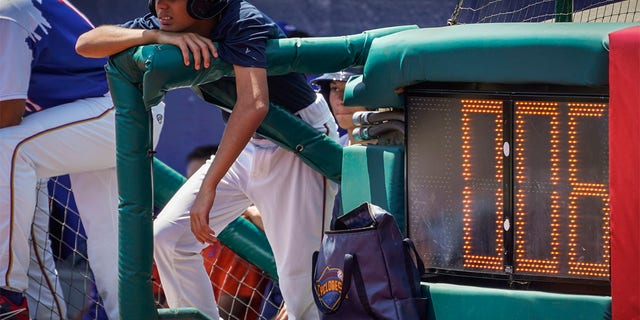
(190, 122)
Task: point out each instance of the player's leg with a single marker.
(96, 195)
(48, 143)
(45, 295)
(296, 215)
(177, 252)
(294, 218)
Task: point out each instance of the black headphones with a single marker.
(198, 9)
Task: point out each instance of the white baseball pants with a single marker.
(295, 202)
(44, 295)
(78, 139)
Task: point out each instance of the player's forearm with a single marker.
(108, 40)
(11, 112)
(243, 122)
(250, 109)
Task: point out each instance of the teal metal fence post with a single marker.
(135, 230)
(564, 11)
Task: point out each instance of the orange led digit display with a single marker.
(512, 186)
(581, 188)
(548, 111)
(471, 108)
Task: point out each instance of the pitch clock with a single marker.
(510, 183)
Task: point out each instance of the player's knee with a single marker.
(162, 236)
(169, 236)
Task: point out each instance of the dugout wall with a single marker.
(486, 63)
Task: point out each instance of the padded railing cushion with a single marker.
(453, 302)
(374, 174)
(505, 53)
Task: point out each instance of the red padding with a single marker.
(624, 170)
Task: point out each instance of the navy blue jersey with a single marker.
(242, 35)
(57, 74)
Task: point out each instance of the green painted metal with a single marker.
(564, 11)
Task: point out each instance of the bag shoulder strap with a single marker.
(359, 282)
(414, 277)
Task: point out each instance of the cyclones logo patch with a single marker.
(328, 287)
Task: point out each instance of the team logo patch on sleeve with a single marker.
(328, 287)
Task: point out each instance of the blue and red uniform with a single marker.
(70, 129)
(58, 75)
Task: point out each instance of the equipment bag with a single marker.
(365, 270)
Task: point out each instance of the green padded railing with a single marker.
(455, 302)
(163, 69)
(506, 53)
(374, 174)
(138, 79)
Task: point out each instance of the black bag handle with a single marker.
(362, 291)
(350, 269)
(346, 283)
(411, 248)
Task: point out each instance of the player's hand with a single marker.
(201, 47)
(200, 216)
(282, 314)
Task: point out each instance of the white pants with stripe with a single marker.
(78, 139)
(295, 202)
